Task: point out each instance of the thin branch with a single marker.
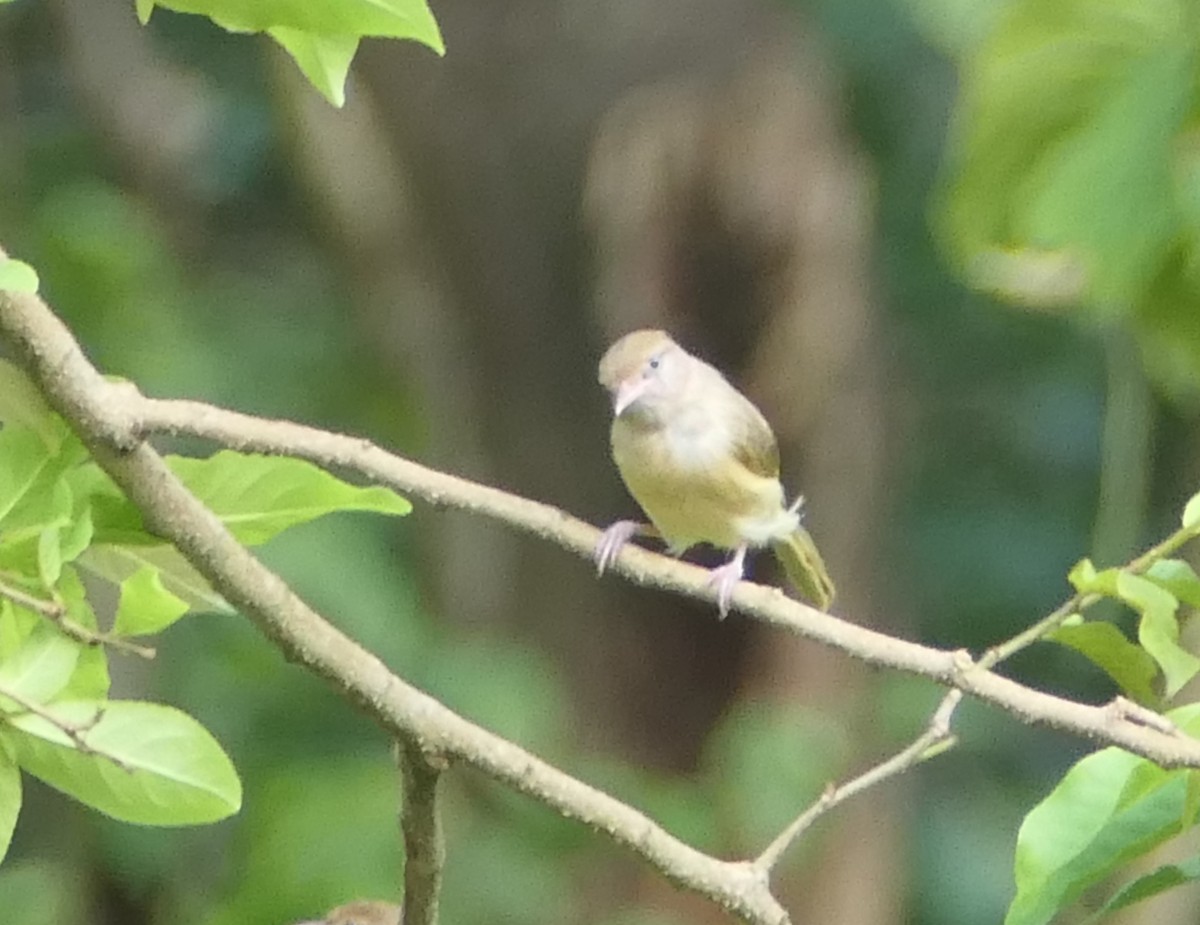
(1081, 602)
(76, 732)
(112, 419)
(102, 416)
(56, 613)
(421, 823)
(933, 741)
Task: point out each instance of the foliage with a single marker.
(1072, 173)
(62, 519)
(1109, 810)
(322, 36)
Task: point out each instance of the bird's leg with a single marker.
(613, 540)
(726, 577)
(797, 505)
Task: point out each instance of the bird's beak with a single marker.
(627, 393)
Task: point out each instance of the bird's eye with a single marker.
(655, 362)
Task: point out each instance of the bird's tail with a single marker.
(804, 567)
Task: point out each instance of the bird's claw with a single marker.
(612, 541)
(725, 579)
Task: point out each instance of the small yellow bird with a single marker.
(703, 464)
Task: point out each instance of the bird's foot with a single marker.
(612, 541)
(725, 579)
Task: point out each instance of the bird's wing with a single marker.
(755, 447)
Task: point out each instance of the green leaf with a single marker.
(41, 666)
(16, 276)
(1086, 580)
(1068, 127)
(1178, 578)
(119, 563)
(10, 801)
(1122, 239)
(324, 59)
(1191, 513)
(1151, 884)
(23, 456)
(90, 680)
(146, 606)
(257, 497)
(1110, 807)
(171, 771)
(1106, 646)
(49, 555)
(22, 403)
(1158, 630)
(402, 19)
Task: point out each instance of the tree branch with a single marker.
(56, 613)
(114, 418)
(420, 821)
(954, 669)
(933, 741)
(103, 415)
(76, 732)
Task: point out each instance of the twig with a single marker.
(1080, 602)
(933, 741)
(112, 418)
(420, 821)
(103, 417)
(56, 613)
(76, 732)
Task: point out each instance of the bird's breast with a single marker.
(691, 486)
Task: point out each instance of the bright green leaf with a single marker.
(171, 771)
(16, 276)
(257, 497)
(22, 403)
(49, 555)
(119, 563)
(1106, 646)
(1178, 578)
(23, 456)
(10, 801)
(76, 536)
(401, 19)
(41, 666)
(1088, 827)
(90, 680)
(144, 9)
(1191, 513)
(1067, 135)
(1151, 884)
(1086, 580)
(324, 59)
(1158, 629)
(146, 606)
(1069, 193)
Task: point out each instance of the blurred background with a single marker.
(439, 267)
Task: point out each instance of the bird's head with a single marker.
(644, 372)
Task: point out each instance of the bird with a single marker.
(703, 464)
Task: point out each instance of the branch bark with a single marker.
(104, 416)
(113, 420)
(421, 824)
